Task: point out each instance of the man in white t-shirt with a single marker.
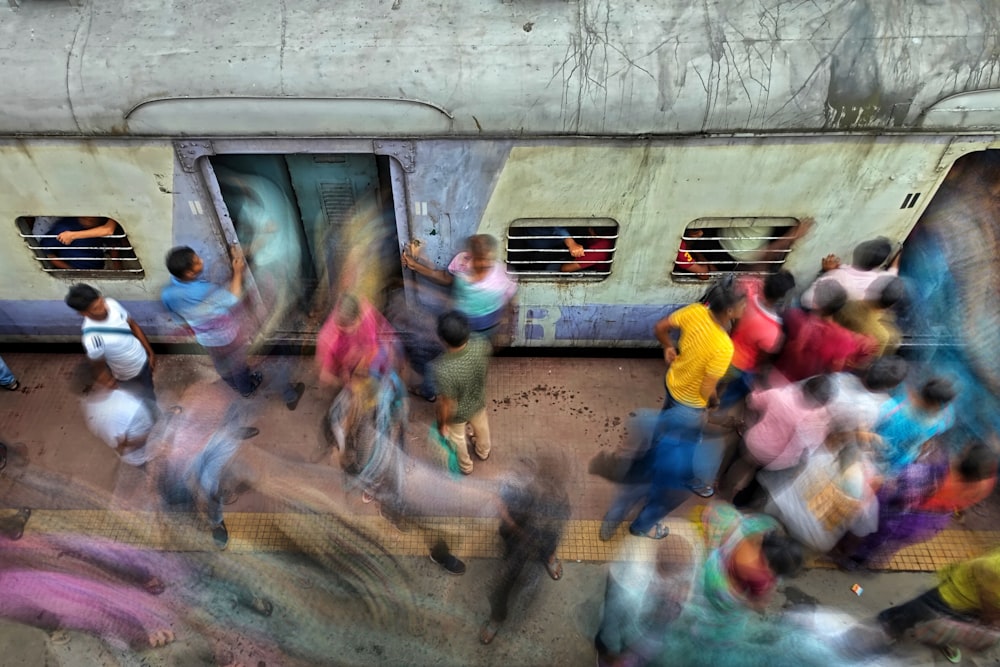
(114, 342)
(857, 277)
(122, 420)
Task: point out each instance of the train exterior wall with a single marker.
(585, 67)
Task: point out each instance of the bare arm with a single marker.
(662, 330)
(107, 229)
(141, 335)
(440, 276)
(445, 410)
(236, 282)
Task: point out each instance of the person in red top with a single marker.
(757, 336)
(597, 252)
(355, 341)
(690, 261)
(816, 345)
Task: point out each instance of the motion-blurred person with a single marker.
(481, 289)
(747, 553)
(418, 336)
(537, 508)
(7, 378)
(460, 378)
(908, 421)
(857, 277)
(920, 501)
(830, 493)
(874, 316)
(641, 598)
(122, 421)
(791, 423)
(857, 402)
(695, 365)
(211, 312)
(757, 336)
(816, 345)
(354, 342)
(963, 610)
(115, 343)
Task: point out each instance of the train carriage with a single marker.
(280, 131)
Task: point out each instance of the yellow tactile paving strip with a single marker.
(254, 532)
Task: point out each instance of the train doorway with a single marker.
(298, 218)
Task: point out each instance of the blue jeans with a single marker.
(231, 363)
(670, 462)
(6, 376)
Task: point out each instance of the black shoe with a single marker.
(451, 564)
(221, 535)
(255, 379)
(300, 388)
(13, 386)
(246, 432)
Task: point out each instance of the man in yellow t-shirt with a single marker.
(969, 592)
(697, 363)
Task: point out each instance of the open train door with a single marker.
(949, 262)
(303, 221)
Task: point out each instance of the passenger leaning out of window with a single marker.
(87, 237)
(480, 287)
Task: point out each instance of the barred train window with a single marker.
(544, 248)
(717, 246)
(80, 246)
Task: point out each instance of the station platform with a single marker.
(580, 406)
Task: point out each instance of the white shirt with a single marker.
(116, 416)
(854, 281)
(123, 352)
(852, 406)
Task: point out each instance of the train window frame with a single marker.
(547, 264)
(777, 233)
(129, 266)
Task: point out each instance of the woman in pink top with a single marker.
(793, 421)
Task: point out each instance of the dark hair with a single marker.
(453, 328)
(979, 462)
(887, 291)
(80, 297)
(723, 296)
(885, 373)
(783, 554)
(180, 259)
(938, 391)
(777, 285)
(819, 388)
(871, 254)
(830, 297)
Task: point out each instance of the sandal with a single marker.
(13, 386)
(657, 532)
(554, 568)
(951, 654)
(488, 632)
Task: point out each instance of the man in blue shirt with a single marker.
(209, 311)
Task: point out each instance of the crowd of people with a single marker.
(833, 446)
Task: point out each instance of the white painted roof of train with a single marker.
(471, 67)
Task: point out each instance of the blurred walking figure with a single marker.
(115, 343)
(536, 510)
(857, 277)
(460, 377)
(211, 312)
(355, 342)
(7, 378)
